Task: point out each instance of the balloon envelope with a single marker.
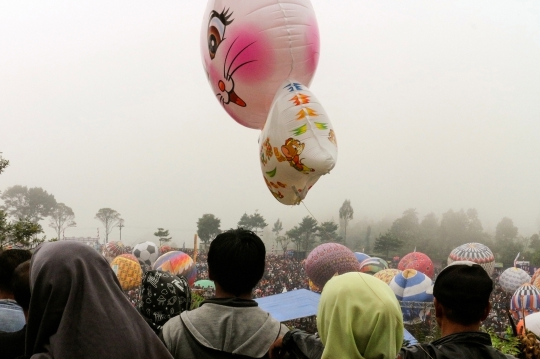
(361, 256)
(532, 322)
(327, 260)
(513, 278)
(474, 252)
(297, 145)
(146, 252)
(129, 272)
(114, 249)
(526, 300)
(129, 256)
(249, 48)
(418, 261)
(386, 275)
(165, 249)
(412, 286)
(178, 263)
(373, 265)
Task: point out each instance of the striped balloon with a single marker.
(411, 286)
(386, 275)
(361, 256)
(526, 300)
(373, 265)
(474, 252)
(512, 278)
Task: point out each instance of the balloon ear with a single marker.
(296, 121)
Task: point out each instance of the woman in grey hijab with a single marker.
(78, 309)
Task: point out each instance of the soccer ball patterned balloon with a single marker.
(146, 253)
(418, 261)
(474, 252)
(512, 278)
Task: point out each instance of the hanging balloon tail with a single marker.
(312, 216)
(297, 144)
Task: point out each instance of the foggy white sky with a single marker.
(436, 106)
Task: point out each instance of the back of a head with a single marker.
(21, 284)
(9, 260)
(174, 300)
(236, 260)
(463, 289)
(359, 317)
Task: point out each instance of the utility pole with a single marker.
(121, 225)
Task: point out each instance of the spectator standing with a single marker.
(11, 314)
(78, 309)
(462, 292)
(231, 324)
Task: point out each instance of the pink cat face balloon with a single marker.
(249, 48)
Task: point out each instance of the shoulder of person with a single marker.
(418, 351)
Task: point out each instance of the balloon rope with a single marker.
(312, 216)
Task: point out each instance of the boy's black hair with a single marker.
(21, 284)
(464, 291)
(9, 260)
(236, 260)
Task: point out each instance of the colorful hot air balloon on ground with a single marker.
(373, 265)
(386, 275)
(130, 257)
(178, 263)
(535, 277)
(327, 260)
(474, 252)
(114, 249)
(165, 249)
(361, 256)
(513, 278)
(412, 286)
(418, 261)
(525, 301)
(129, 272)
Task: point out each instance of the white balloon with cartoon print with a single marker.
(249, 48)
(297, 145)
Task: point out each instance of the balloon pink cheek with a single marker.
(254, 55)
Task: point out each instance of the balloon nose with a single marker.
(221, 85)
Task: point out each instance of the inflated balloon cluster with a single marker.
(260, 57)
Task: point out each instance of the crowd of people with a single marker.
(77, 309)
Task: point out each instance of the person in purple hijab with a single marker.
(78, 309)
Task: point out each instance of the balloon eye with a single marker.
(214, 39)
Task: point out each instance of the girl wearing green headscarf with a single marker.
(359, 317)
